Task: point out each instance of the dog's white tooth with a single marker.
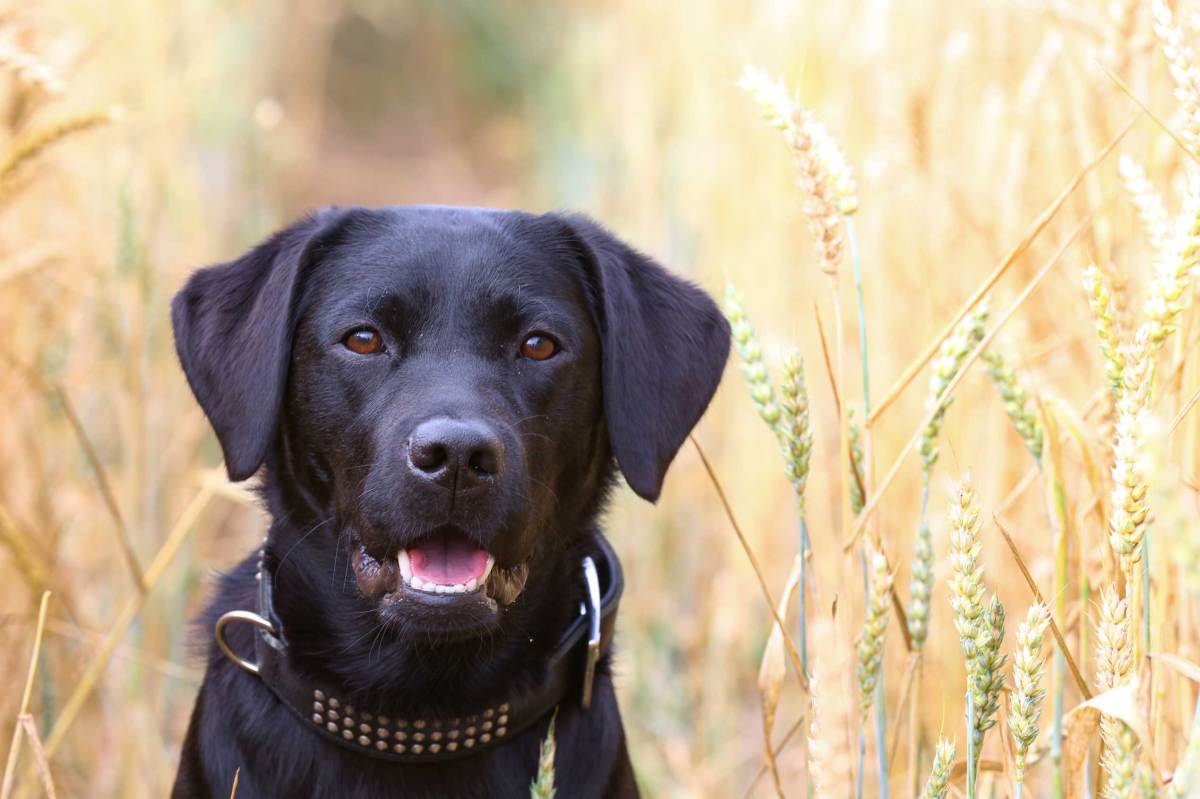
(419, 584)
(405, 566)
(439, 588)
(471, 585)
(458, 588)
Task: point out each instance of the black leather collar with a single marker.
(426, 739)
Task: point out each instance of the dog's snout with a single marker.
(456, 454)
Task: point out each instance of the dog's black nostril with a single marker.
(484, 461)
(428, 456)
(456, 454)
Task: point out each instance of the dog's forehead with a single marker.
(453, 254)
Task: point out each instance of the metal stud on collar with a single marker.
(248, 617)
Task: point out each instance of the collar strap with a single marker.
(424, 739)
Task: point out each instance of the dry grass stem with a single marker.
(1080, 682)
(14, 747)
(789, 644)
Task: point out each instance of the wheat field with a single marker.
(959, 244)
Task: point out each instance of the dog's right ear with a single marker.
(233, 327)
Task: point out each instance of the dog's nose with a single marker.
(456, 454)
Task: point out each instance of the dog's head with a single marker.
(447, 389)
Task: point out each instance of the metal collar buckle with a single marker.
(249, 617)
(591, 609)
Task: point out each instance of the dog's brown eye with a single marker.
(539, 347)
(364, 341)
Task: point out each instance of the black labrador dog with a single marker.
(439, 399)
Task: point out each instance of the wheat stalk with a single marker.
(920, 586)
(1168, 295)
(795, 430)
(1182, 65)
(1127, 523)
(754, 368)
(1114, 666)
(945, 366)
(829, 761)
(857, 500)
(34, 144)
(939, 776)
(1105, 318)
(980, 627)
(1016, 402)
(810, 146)
(1024, 702)
(1148, 202)
(870, 645)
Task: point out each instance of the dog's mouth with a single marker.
(442, 567)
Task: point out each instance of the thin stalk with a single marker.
(916, 735)
(864, 360)
(862, 314)
(803, 591)
(862, 733)
(915, 739)
(862, 756)
(14, 751)
(970, 741)
(881, 737)
(1060, 522)
(1146, 592)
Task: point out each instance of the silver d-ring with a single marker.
(244, 616)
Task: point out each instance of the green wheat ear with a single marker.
(754, 368)
(542, 786)
(939, 777)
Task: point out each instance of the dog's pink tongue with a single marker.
(447, 560)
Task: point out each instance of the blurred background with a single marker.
(205, 124)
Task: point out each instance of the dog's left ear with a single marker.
(664, 346)
(233, 326)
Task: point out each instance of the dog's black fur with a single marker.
(453, 293)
